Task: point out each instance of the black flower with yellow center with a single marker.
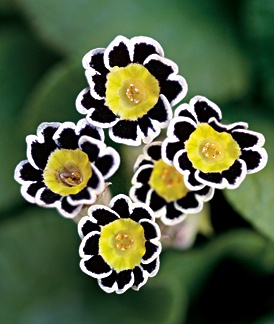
(132, 88)
(209, 153)
(66, 166)
(161, 186)
(120, 244)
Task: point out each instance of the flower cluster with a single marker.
(131, 90)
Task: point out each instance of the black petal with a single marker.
(159, 111)
(187, 113)
(189, 201)
(97, 265)
(40, 152)
(154, 151)
(29, 173)
(141, 193)
(92, 245)
(104, 164)
(123, 278)
(34, 187)
(138, 277)
(88, 227)
(149, 230)
(142, 51)
(144, 175)
(183, 129)
(172, 213)
(171, 89)
(245, 139)
(159, 69)
(172, 148)
(151, 266)
(214, 177)
(83, 194)
(233, 173)
(109, 280)
(121, 207)
(156, 202)
(125, 129)
(49, 197)
(192, 180)
(65, 206)
(145, 123)
(204, 112)
(68, 139)
(139, 213)
(151, 250)
(184, 162)
(91, 149)
(100, 84)
(94, 181)
(90, 131)
(103, 216)
(119, 55)
(251, 158)
(97, 63)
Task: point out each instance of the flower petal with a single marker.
(87, 196)
(95, 266)
(121, 205)
(152, 267)
(47, 197)
(151, 229)
(154, 201)
(172, 216)
(169, 148)
(205, 109)
(139, 193)
(102, 215)
(143, 47)
(109, 284)
(152, 252)
(126, 132)
(247, 138)
(97, 83)
(90, 245)
(67, 210)
(117, 53)
(108, 163)
(140, 211)
(255, 159)
(153, 150)
(125, 280)
(161, 112)
(94, 59)
(29, 190)
(143, 174)
(97, 113)
(140, 278)
(86, 226)
(26, 172)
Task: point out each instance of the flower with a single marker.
(120, 244)
(163, 189)
(209, 153)
(66, 166)
(131, 89)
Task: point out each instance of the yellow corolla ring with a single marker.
(167, 182)
(122, 244)
(131, 91)
(211, 151)
(67, 171)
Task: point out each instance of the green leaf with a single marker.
(20, 68)
(41, 279)
(192, 34)
(254, 199)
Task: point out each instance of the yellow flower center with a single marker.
(211, 151)
(167, 182)
(122, 244)
(67, 171)
(131, 91)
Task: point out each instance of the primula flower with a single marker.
(209, 153)
(163, 189)
(131, 89)
(120, 244)
(66, 166)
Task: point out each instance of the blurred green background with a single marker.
(225, 50)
